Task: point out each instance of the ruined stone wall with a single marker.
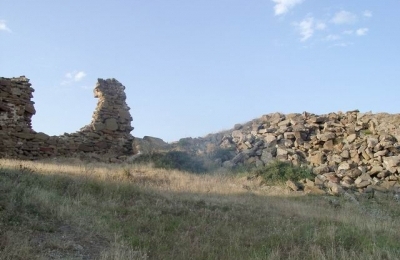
(352, 150)
(106, 138)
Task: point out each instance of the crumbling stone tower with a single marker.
(109, 131)
(112, 113)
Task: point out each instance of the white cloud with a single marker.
(342, 44)
(320, 26)
(4, 27)
(367, 13)
(344, 17)
(332, 37)
(307, 27)
(283, 6)
(74, 76)
(79, 76)
(348, 32)
(362, 31)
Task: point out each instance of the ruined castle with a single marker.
(106, 138)
(350, 150)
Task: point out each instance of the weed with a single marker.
(278, 172)
(366, 132)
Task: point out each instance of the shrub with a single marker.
(174, 160)
(223, 154)
(280, 172)
(181, 161)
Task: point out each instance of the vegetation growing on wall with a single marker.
(278, 172)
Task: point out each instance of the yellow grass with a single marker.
(68, 209)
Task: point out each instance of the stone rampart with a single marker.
(106, 138)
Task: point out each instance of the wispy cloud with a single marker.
(86, 87)
(344, 17)
(342, 44)
(362, 31)
(74, 76)
(310, 25)
(320, 26)
(332, 37)
(307, 27)
(3, 26)
(367, 13)
(283, 6)
(348, 32)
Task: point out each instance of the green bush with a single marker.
(280, 172)
(174, 160)
(223, 154)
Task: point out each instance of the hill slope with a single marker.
(75, 210)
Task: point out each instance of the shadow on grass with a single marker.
(84, 215)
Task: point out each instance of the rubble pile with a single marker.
(351, 150)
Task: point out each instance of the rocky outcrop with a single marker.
(106, 138)
(351, 150)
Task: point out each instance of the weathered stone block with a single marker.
(335, 188)
(30, 108)
(391, 161)
(326, 136)
(317, 159)
(314, 190)
(351, 138)
(294, 186)
(289, 135)
(111, 124)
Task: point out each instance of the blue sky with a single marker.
(195, 67)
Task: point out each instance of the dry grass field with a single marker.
(74, 210)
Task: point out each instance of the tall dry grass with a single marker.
(70, 209)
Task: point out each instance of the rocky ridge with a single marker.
(347, 151)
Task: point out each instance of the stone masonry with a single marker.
(106, 138)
